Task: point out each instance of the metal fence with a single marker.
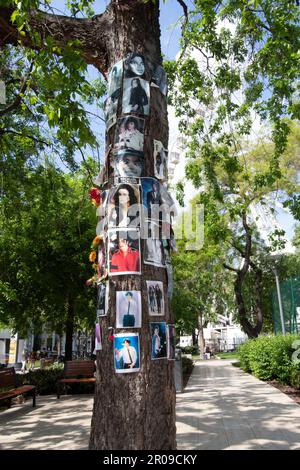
(290, 297)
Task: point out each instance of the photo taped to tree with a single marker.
(115, 78)
(160, 161)
(156, 303)
(126, 353)
(124, 251)
(158, 340)
(128, 309)
(136, 96)
(130, 133)
(128, 163)
(134, 65)
(123, 208)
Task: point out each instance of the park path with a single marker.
(224, 408)
(221, 408)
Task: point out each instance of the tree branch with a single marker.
(230, 268)
(92, 34)
(18, 99)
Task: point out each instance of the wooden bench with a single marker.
(8, 382)
(78, 371)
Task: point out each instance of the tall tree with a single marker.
(127, 411)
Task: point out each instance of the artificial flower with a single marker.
(93, 256)
(97, 240)
(95, 196)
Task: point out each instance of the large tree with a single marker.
(128, 409)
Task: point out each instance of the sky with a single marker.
(170, 14)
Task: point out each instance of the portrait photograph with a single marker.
(134, 65)
(126, 353)
(151, 198)
(170, 210)
(136, 96)
(171, 342)
(102, 299)
(160, 160)
(156, 303)
(110, 109)
(98, 338)
(159, 340)
(159, 79)
(128, 309)
(124, 251)
(123, 208)
(115, 78)
(154, 252)
(130, 133)
(128, 163)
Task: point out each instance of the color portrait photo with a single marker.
(126, 353)
(151, 197)
(98, 338)
(123, 208)
(136, 96)
(124, 251)
(159, 340)
(156, 304)
(129, 309)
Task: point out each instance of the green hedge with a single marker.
(270, 358)
(45, 380)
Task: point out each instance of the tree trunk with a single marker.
(137, 410)
(69, 330)
(201, 340)
(248, 328)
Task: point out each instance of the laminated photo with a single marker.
(130, 133)
(126, 353)
(102, 299)
(110, 109)
(151, 198)
(115, 78)
(134, 65)
(159, 79)
(128, 163)
(154, 252)
(123, 208)
(156, 303)
(136, 96)
(160, 160)
(158, 340)
(98, 338)
(102, 261)
(124, 251)
(128, 309)
(171, 342)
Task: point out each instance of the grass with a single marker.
(228, 355)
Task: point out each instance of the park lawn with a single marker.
(228, 355)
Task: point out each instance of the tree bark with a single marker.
(201, 340)
(137, 410)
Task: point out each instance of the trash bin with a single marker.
(178, 371)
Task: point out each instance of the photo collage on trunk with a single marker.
(129, 214)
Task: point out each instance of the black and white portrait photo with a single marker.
(102, 299)
(128, 163)
(160, 160)
(123, 208)
(154, 252)
(134, 65)
(136, 96)
(128, 309)
(130, 133)
(159, 79)
(110, 110)
(115, 78)
(156, 304)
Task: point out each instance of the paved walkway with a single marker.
(221, 408)
(224, 408)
